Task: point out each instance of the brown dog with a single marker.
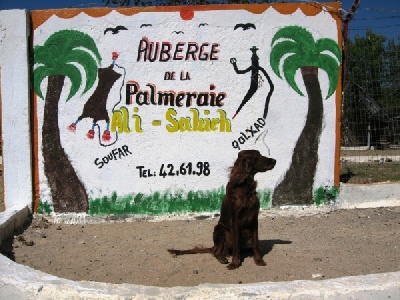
(238, 222)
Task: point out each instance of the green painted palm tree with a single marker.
(293, 49)
(56, 60)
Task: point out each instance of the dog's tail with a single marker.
(195, 250)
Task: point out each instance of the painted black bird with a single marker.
(245, 26)
(116, 29)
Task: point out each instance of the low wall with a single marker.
(11, 220)
(15, 109)
(21, 282)
(371, 195)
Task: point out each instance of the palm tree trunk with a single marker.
(297, 184)
(68, 192)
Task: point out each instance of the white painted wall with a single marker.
(16, 125)
(155, 146)
(17, 171)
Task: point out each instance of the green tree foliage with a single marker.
(365, 62)
(372, 73)
(303, 50)
(391, 86)
(58, 53)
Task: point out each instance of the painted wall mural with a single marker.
(144, 110)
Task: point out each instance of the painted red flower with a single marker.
(115, 55)
(90, 134)
(106, 136)
(72, 127)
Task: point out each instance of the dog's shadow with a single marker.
(266, 247)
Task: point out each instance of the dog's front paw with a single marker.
(223, 260)
(260, 262)
(233, 265)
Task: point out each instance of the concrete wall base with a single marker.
(371, 195)
(12, 219)
(20, 282)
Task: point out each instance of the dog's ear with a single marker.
(241, 169)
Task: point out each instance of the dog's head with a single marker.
(249, 163)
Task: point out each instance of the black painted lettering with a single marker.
(192, 49)
(214, 51)
(165, 54)
(178, 49)
(98, 163)
(126, 150)
(203, 55)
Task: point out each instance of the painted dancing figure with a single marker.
(256, 81)
(96, 106)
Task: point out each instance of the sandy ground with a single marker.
(296, 245)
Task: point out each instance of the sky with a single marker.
(382, 16)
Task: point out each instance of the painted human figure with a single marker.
(95, 107)
(254, 83)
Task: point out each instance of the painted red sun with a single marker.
(187, 14)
